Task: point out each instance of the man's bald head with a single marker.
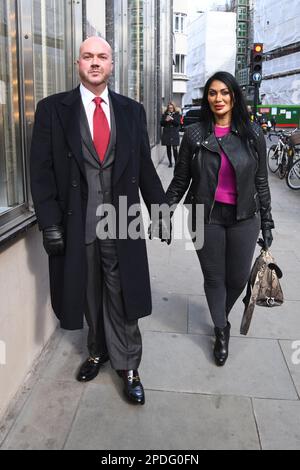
(93, 42)
(95, 64)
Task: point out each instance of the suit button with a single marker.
(133, 180)
(70, 155)
(70, 212)
(74, 184)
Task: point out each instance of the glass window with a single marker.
(11, 170)
(242, 46)
(242, 13)
(180, 64)
(49, 19)
(135, 50)
(242, 30)
(179, 22)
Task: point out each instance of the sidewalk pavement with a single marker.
(251, 403)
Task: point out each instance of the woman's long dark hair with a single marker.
(240, 115)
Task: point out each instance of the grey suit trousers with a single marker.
(109, 330)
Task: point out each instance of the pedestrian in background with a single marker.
(222, 159)
(170, 121)
(273, 123)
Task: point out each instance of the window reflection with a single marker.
(49, 17)
(135, 50)
(11, 175)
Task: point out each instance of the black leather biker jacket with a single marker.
(198, 166)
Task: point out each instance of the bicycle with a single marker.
(293, 175)
(281, 155)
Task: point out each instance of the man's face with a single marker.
(95, 63)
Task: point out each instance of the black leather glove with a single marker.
(267, 238)
(162, 230)
(53, 240)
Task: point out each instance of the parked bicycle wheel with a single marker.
(273, 158)
(293, 176)
(283, 166)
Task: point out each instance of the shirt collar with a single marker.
(87, 96)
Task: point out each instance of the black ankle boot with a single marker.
(221, 344)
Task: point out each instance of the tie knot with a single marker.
(98, 101)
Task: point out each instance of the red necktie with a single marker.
(100, 129)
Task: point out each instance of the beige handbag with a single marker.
(263, 288)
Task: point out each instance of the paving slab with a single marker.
(167, 421)
(291, 351)
(70, 353)
(182, 280)
(169, 313)
(278, 423)
(46, 418)
(277, 322)
(183, 363)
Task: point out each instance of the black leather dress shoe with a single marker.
(133, 387)
(221, 344)
(90, 368)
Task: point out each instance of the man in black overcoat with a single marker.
(90, 147)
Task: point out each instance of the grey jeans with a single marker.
(226, 259)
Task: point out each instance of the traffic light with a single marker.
(256, 63)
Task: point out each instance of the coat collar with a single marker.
(123, 134)
(69, 112)
(211, 142)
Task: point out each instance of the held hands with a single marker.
(53, 240)
(161, 229)
(267, 238)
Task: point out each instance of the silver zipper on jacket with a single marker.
(214, 200)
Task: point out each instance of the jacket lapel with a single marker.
(86, 135)
(69, 114)
(123, 135)
(211, 143)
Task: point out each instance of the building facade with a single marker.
(280, 34)
(212, 47)
(180, 50)
(39, 44)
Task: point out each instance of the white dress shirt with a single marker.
(87, 99)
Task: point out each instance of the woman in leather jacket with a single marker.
(222, 161)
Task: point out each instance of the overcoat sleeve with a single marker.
(42, 176)
(262, 184)
(150, 184)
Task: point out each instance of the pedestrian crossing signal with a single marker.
(256, 63)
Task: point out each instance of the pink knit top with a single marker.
(226, 190)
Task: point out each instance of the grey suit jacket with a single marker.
(99, 176)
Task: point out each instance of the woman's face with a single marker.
(171, 108)
(219, 98)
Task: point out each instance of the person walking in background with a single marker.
(222, 159)
(85, 154)
(170, 121)
(273, 123)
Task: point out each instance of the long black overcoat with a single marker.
(170, 135)
(60, 192)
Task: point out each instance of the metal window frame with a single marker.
(17, 220)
